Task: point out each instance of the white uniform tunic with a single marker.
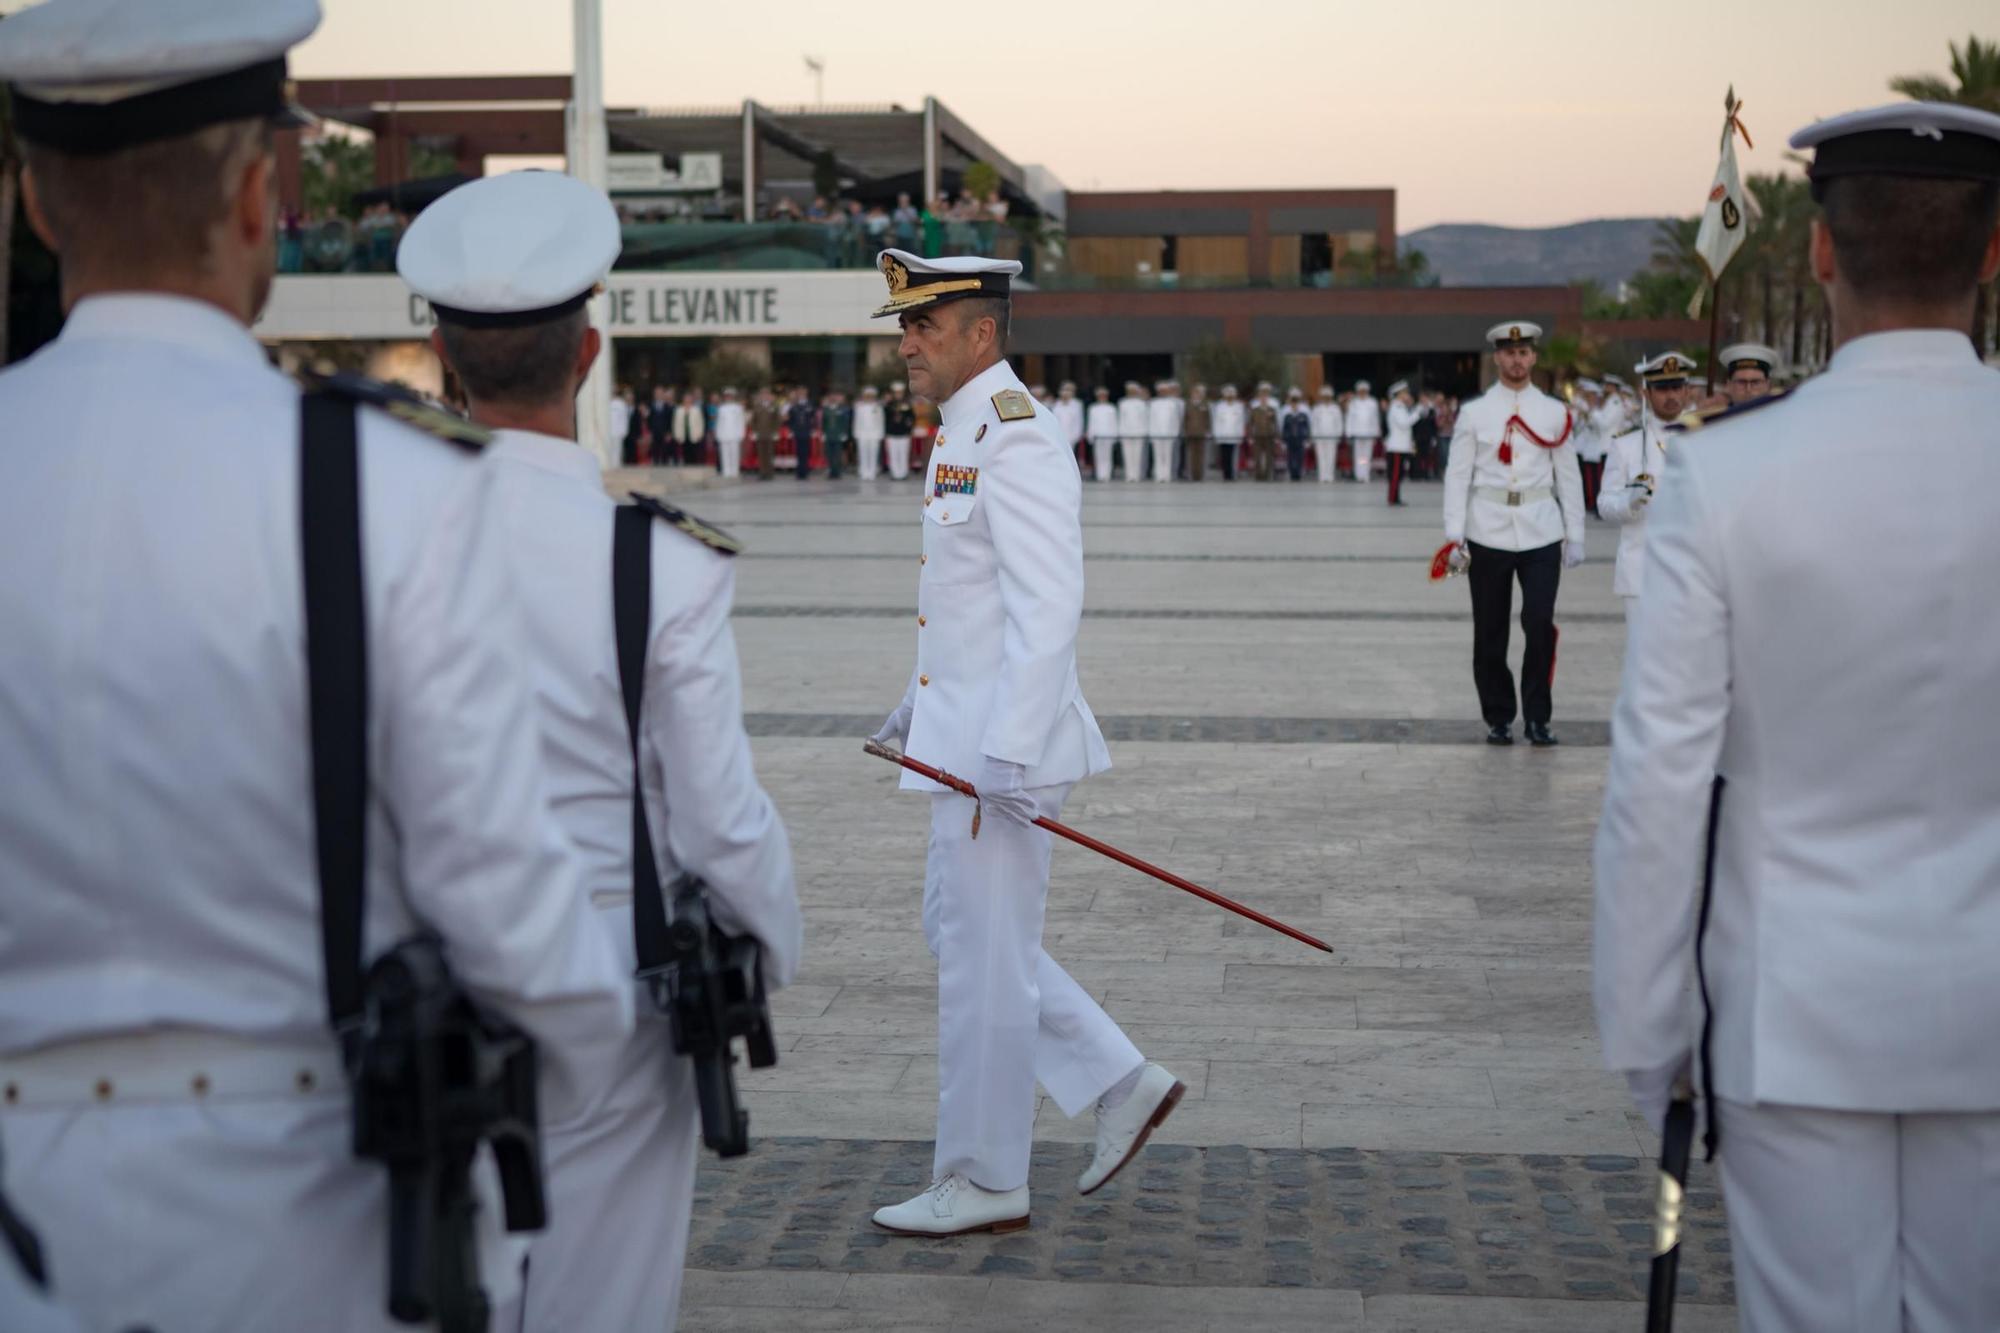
(1546, 487)
(1103, 432)
(1231, 420)
(999, 602)
(621, 1177)
(1364, 428)
(1836, 658)
(1636, 453)
(1069, 419)
(731, 425)
(157, 864)
(1403, 419)
(1327, 424)
(1134, 415)
(1163, 428)
(869, 428)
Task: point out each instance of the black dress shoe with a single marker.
(1539, 734)
(1499, 735)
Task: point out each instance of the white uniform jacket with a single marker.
(1327, 423)
(1636, 453)
(731, 423)
(1364, 418)
(1230, 420)
(1403, 419)
(1546, 484)
(1103, 423)
(869, 423)
(157, 847)
(1163, 417)
(1606, 423)
(621, 421)
(1000, 597)
(1134, 414)
(1069, 418)
(1836, 658)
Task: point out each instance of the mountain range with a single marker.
(1607, 250)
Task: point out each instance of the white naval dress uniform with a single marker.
(1134, 416)
(1069, 420)
(1327, 423)
(1403, 419)
(868, 432)
(1363, 429)
(1835, 658)
(732, 423)
(1636, 453)
(621, 1176)
(1102, 429)
(156, 824)
(1231, 421)
(999, 602)
(1163, 428)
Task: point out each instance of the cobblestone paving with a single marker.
(1380, 1223)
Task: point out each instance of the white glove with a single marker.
(896, 728)
(1572, 554)
(1641, 496)
(1653, 1089)
(1001, 793)
(1459, 558)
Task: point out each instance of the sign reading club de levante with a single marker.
(640, 305)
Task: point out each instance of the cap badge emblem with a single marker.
(897, 274)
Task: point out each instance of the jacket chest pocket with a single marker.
(949, 510)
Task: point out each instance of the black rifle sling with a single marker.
(337, 690)
(1712, 1131)
(632, 612)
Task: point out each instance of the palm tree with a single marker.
(1976, 69)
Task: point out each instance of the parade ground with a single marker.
(1413, 1133)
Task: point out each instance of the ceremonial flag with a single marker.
(1722, 220)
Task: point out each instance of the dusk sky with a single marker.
(1521, 113)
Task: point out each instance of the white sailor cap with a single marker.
(1400, 386)
(1514, 333)
(1741, 356)
(869, 391)
(1326, 391)
(1589, 385)
(1613, 379)
(95, 76)
(1161, 386)
(1904, 139)
(1362, 386)
(1067, 386)
(509, 250)
(1666, 368)
(915, 282)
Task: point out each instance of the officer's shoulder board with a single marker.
(1013, 405)
(1694, 421)
(714, 538)
(400, 403)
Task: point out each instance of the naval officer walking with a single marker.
(1634, 464)
(994, 697)
(507, 262)
(1806, 722)
(177, 1119)
(1513, 504)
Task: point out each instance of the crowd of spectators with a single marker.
(856, 230)
(326, 241)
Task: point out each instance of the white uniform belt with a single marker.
(1501, 496)
(176, 1065)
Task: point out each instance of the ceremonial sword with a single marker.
(1676, 1146)
(965, 788)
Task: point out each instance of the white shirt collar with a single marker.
(189, 325)
(565, 458)
(966, 403)
(1905, 347)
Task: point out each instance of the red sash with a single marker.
(1516, 423)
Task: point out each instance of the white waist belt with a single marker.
(1512, 499)
(177, 1065)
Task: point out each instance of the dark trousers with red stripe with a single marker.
(1491, 577)
(1395, 478)
(1593, 477)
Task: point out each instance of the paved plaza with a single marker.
(1411, 1134)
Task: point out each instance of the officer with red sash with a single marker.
(1513, 508)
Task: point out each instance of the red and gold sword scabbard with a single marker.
(964, 788)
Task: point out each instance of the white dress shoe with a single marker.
(1122, 1132)
(953, 1206)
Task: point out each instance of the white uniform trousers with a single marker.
(869, 452)
(899, 456)
(1164, 458)
(731, 454)
(1857, 1222)
(1326, 453)
(1134, 448)
(215, 1214)
(1008, 1016)
(621, 1188)
(1101, 458)
(1364, 454)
